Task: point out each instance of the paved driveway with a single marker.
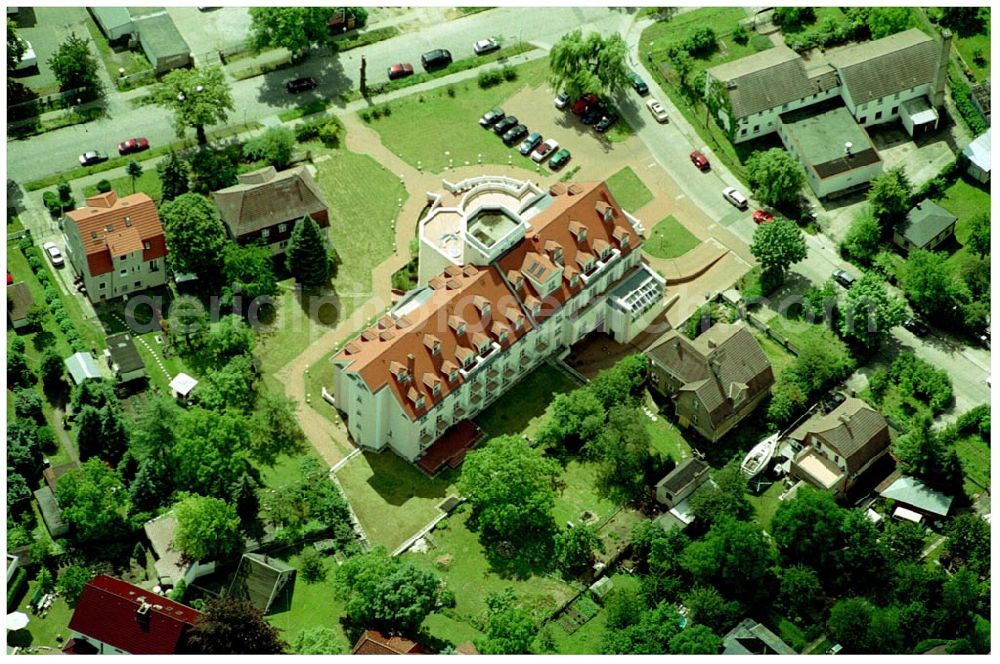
(211, 31)
(45, 28)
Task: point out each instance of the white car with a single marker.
(544, 150)
(52, 251)
(656, 108)
(733, 195)
(485, 46)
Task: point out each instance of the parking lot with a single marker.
(45, 28)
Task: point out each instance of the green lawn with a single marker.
(391, 497)
(587, 639)
(629, 190)
(964, 200)
(766, 504)
(665, 437)
(822, 14)
(780, 358)
(974, 455)
(313, 605)
(423, 126)
(969, 47)
(669, 239)
(522, 409)
(148, 183)
(577, 493)
(43, 631)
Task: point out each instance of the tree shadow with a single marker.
(396, 481)
(325, 65)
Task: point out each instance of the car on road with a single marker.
(491, 117)
(52, 251)
(700, 161)
(93, 157)
(301, 84)
(484, 46)
(559, 159)
(658, 111)
(561, 101)
(638, 84)
(133, 145)
(542, 152)
(514, 134)
(843, 278)
(505, 125)
(762, 217)
(581, 105)
(400, 70)
(916, 327)
(607, 122)
(733, 195)
(529, 144)
(436, 59)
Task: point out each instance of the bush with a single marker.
(311, 565)
(700, 40)
(487, 79)
(509, 73)
(741, 35)
(962, 94)
(329, 134)
(104, 186)
(386, 110)
(51, 201)
(922, 381)
(977, 421)
(451, 91)
(366, 116)
(274, 146)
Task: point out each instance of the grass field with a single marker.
(669, 239)
(974, 455)
(522, 409)
(780, 358)
(423, 126)
(587, 639)
(766, 504)
(42, 632)
(148, 183)
(629, 190)
(964, 200)
(577, 493)
(313, 605)
(969, 48)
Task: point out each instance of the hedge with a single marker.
(15, 590)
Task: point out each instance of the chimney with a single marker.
(941, 75)
(847, 148)
(411, 364)
(142, 612)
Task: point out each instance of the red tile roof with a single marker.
(373, 642)
(107, 612)
(110, 226)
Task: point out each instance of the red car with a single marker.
(582, 104)
(10, 278)
(700, 161)
(401, 70)
(133, 145)
(761, 217)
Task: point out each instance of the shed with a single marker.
(927, 225)
(267, 582)
(181, 386)
(114, 22)
(162, 43)
(82, 366)
(914, 493)
(681, 481)
(123, 358)
(977, 157)
(907, 515)
(51, 514)
(19, 300)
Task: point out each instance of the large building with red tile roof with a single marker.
(509, 275)
(116, 617)
(116, 245)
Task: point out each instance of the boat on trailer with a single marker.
(759, 457)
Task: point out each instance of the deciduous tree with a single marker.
(207, 528)
(233, 626)
(510, 628)
(74, 66)
(274, 146)
(928, 456)
(308, 256)
(885, 21)
(777, 245)
(622, 450)
(208, 456)
(274, 429)
(71, 583)
(651, 636)
(194, 235)
(733, 555)
(197, 97)
(51, 368)
(577, 418)
(850, 624)
(889, 197)
(16, 48)
(318, 641)
(800, 594)
(726, 497)
(904, 541)
(296, 28)
(575, 548)
(863, 238)
(590, 64)
(807, 529)
(869, 313)
(93, 501)
(173, 172)
(979, 233)
(695, 640)
(969, 542)
(624, 606)
(775, 177)
(932, 284)
(622, 383)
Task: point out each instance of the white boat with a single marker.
(757, 459)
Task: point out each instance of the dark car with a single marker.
(638, 84)
(593, 114)
(832, 400)
(133, 145)
(402, 70)
(515, 134)
(607, 122)
(436, 59)
(505, 125)
(301, 84)
(843, 278)
(583, 103)
(559, 159)
(916, 327)
(491, 117)
(528, 144)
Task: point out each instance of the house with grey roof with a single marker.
(832, 451)
(752, 638)
(926, 226)
(19, 301)
(714, 381)
(153, 29)
(976, 156)
(265, 205)
(682, 481)
(123, 358)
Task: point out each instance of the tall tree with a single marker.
(968, 542)
(850, 624)
(249, 272)
(695, 640)
(929, 457)
(51, 368)
(590, 64)
(733, 555)
(274, 146)
(274, 429)
(233, 626)
(577, 418)
(207, 528)
(74, 66)
(16, 47)
(979, 233)
(208, 456)
(725, 497)
(510, 628)
(775, 177)
(650, 636)
(889, 197)
(93, 501)
(575, 548)
(885, 21)
(622, 383)
(153, 432)
(296, 28)
(932, 284)
(622, 451)
(308, 256)
(807, 529)
(229, 338)
(706, 606)
(904, 541)
(195, 237)
(777, 246)
(88, 432)
(72, 581)
(800, 593)
(134, 170)
(863, 238)
(196, 97)
(869, 313)
(174, 172)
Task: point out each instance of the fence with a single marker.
(39, 105)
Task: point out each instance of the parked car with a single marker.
(401, 70)
(594, 114)
(93, 157)
(436, 59)
(638, 84)
(301, 84)
(843, 278)
(28, 58)
(486, 46)
(583, 103)
(658, 111)
(491, 117)
(559, 159)
(733, 195)
(762, 217)
(561, 101)
(544, 150)
(606, 123)
(528, 144)
(514, 134)
(10, 278)
(133, 145)
(700, 161)
(505, 125)
(916, 327)
(52, 251)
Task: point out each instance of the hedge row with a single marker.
(55, 305)
(962, 95)
(15, 590)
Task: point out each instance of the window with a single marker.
(265, 232)
(123, 273)
(878, 115)
(436, 389)
(460, 330)
(574, 280)
(503, 336)
(896, 96)
(453, 375)
(146, 245)
(486, 310)
(138, 284)
(895, 109)
(282, 228)
(101, 285)
(420, 404)
(582, 235)
(128, 221)
(863, 119)
(436, 350)
(121, 258)
(756, 128)
(153, 266)
(743, 132)
(518, 323)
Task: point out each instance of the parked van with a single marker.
(28, 60)
(436, 59)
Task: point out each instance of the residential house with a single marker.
(113, 617)
(682, 481)
(509, 275)
(915, 495)
(171, 565)
(927, 225)
(82, 366)
(116, 245)
(752, 638)
(833, 450)
(123, 358)
(19, 300)
(714, 381)
(153, 29)
(266, 204)
(977, 156)
(374, 642)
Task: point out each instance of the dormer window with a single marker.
(485, 310)
(625, 239)
(436, 390)
(518, 323)
(128, 221)
(558, 256)
(503, 336)
(574, 281)
(460, 330)
(420, 402)
(453, 375)
(147, 245)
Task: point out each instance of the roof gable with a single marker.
(267, 197)
(925, 221)
(874, 69)
(853, 430)
(109, 226)
(765, 80)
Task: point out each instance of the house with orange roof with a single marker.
(518, 275)
(116, 245)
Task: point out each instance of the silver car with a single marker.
(52, 251)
